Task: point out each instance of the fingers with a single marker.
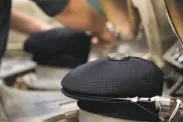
(107, 36)
(95, 40)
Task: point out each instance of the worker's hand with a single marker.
(106, 37)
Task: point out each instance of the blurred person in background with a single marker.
(83, 15)
(27, 24)
(75, 14)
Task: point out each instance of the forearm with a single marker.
(79, 15)
(26, 24)
(117, 13)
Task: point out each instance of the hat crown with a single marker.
(118, 78)
(95, 84)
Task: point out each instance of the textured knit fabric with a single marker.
(95, 82)
(104, 77)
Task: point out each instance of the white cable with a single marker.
(159, 101)
(179, 102)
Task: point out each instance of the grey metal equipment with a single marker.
(117, 56)
(15, 70)
(158, 32)
(174, 56)
(174, 77)
(15, 66)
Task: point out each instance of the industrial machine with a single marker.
(173, 56)
(43, 105)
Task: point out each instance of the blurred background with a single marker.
(35, 64)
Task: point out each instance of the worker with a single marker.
(68, 14)
(26, 24)
(65, 47)
(29, 25)
(76, 14)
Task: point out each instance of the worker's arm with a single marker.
(116, 12)
(26, 24)
(74, 14)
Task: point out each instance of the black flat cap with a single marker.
(116, 76)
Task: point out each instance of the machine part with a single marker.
(171, 77)
(45, 79)
(176, 87)
(174, 57)
(174, 12)
(137, 31)
(170, 57)
(20, 82)
(155, 24)
(180, 59)
(12, 67)
(117, 56)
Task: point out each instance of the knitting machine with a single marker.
(50, 107)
